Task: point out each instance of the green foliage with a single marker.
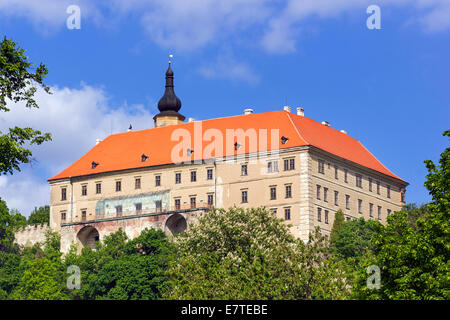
(17, 219)
(414, 257)
(39, 216)
(250, 254)
(122, 269)
(18, 83)
(337, 225)
(355, 237)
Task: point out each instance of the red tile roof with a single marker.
(124, 150)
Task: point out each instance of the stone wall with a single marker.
(30, 235)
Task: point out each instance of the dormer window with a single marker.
(144, 157)
(284, 140)
(236, 146)
(94, 164)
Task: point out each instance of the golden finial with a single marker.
(170, 57)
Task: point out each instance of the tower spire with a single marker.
(169, 104)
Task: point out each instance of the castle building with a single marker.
(300, 169)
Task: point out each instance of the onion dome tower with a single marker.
(168, 105)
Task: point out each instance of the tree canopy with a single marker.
(250, 254)
(18, 82)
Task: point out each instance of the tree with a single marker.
(18, 83)
(122, 269)
(40, 216)
(337, 225)
(7, 229)
(414, 258)
(355, 238)
(250, 254)
(43, 272)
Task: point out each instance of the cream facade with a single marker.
(304, 186)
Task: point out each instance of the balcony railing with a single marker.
(156, 210)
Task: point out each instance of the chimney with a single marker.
(287, 108)
(326, 123)
(344, 132)
(300, 111)
(191, 120)
(248, 111)
(97, 141)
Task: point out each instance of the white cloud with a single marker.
(75, 118)
(24, 191)
(192, 24)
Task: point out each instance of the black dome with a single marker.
(169, 101)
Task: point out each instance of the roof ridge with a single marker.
(296, 129)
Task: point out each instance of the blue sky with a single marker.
(388, 88)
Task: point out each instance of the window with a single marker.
(345, 175)
(118, 211)
(336, 172)
(288, 191)
(63, 216)
(347, 202)
(347, 219)
(210, 199)
(98, 188)
(326, 216)
(193, 203)
(63, 194)
(358, 180)
(379, 212)
(84, 190)
(193, 176)
(318, 192)
(158, 205)
(177, 177)
(402, 196)
(389, 212)
(378, 187)
(287, 213)
(359, 206)
(336, 198)
(209, 174)
(370, 184)
(137, 183)
(157, 181)
(321, 167)
(325, 194)
(177, 204)
(118, 185)
(272, 166)
(243, 170)
(319, 214)
(273, 193)
(371, 209)
(388, 191)
(138, 208)
(244, 196)
(289, 164)
(83, 215)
